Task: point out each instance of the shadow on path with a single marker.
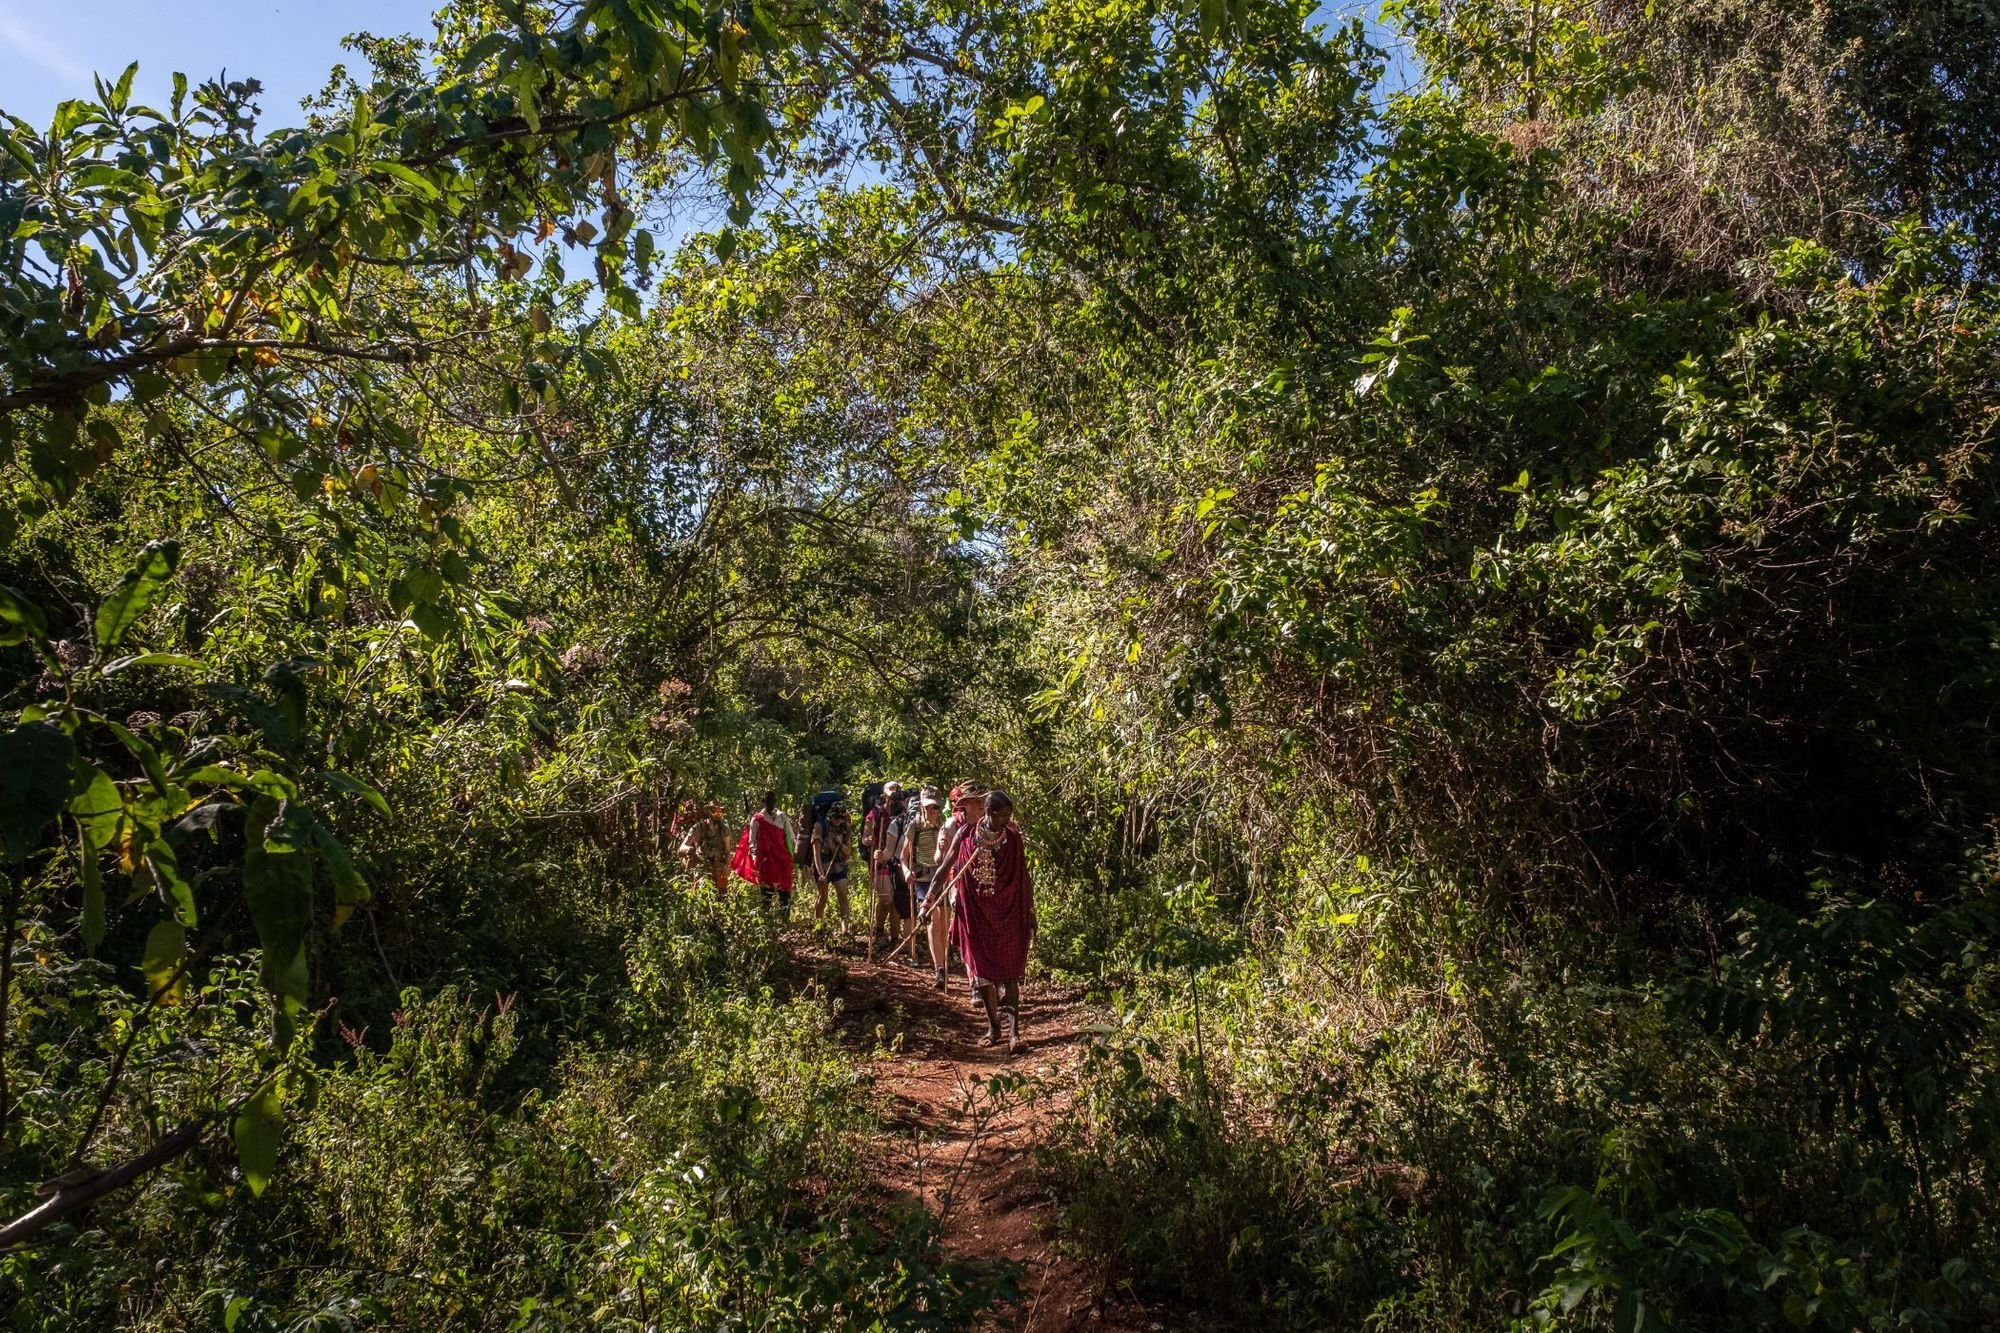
(961, 1123)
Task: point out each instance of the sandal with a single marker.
(939, 983)
(991, 1037)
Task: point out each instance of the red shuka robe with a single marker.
(773, 859)
(995, 901)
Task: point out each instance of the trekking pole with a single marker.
(924, 918)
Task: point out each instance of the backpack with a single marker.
(822, 807)
(919, 831)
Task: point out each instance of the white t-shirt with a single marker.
(784, 823)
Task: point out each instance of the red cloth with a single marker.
(772, 866)
(995, 904)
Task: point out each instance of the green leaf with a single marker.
(483, 50)
(121, 96)
(148, 757)
(166, 947)
(257, 1130)
(409, 177)
(349, 887)
(97, 809)
(217, 775)
(136, 591)
(20, 619)
(354, 786)
(165, 867)
(36, 778)
(433, 619)
(277, 884)
(152, 660)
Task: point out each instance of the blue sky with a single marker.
(50, 48)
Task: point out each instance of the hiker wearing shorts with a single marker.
(704, 845)
(833, 848)
(920, 862)
(882, 869)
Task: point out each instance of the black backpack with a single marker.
(822, 806)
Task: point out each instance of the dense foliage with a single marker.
(1468, 534)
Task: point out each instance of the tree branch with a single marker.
(81, 1191)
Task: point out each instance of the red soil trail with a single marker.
(968, 1153)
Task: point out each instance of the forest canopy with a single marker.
(1465, 530)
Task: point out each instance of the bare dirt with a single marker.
(961, 1123)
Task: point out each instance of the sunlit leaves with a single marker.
(164, 962)
(258, 1131)
(136, 592)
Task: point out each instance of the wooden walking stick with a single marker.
(924, 919)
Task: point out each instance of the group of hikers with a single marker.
(939, 883)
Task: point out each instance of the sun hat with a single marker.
(891, 787)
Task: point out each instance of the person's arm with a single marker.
(908, 852)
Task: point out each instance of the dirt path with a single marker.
(962, 1123)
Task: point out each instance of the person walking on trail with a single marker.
(875, 839)
(832, 850)
(920, 862)
(705, 846)
(764, 855)
(995, 922)
(874, 823)
(968, 803)
(901, 818)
